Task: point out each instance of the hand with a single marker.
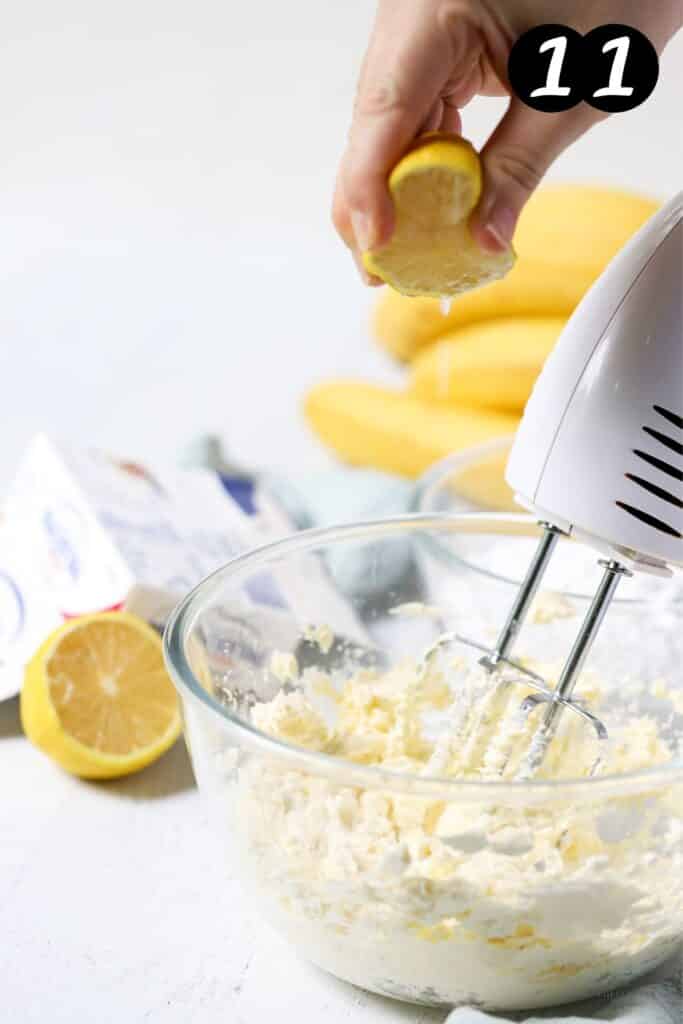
(425, 61)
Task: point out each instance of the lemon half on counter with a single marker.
(432, 252)
(97, 698)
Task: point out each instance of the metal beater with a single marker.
(599, 452)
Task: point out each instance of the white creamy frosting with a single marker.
(464, 899)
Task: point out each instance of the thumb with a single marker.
(515, 158)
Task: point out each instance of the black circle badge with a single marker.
(545, 68)
(620, 68)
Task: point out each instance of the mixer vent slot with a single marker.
(645, 517)
(668, 442)
(656, 463)
(658, 492)
(672, 417)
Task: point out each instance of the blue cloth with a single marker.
(341, 495)
(326, 498)
(346, 496)
(323, 498)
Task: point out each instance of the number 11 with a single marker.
(552, 87)
(615, 86)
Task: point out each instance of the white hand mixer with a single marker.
(599, 453)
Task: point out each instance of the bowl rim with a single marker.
(436, 476)
(436, 472)
(180, 622)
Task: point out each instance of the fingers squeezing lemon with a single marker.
(432, 252)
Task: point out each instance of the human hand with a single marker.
(426, 60)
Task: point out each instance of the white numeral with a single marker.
(615, 86)
(552, 85)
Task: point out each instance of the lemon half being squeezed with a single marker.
(97, 698)
(432, 252)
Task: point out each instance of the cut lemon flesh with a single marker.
(97, 697)
(432, 252)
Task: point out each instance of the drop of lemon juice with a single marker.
(445, 305)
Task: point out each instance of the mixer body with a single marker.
(599, 452)
(600, 448)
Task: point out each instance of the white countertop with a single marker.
(116, 907)
(168, 268)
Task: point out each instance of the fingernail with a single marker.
(362, 229)
(499, 227)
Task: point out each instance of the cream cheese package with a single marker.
(84, 531)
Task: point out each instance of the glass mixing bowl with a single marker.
(500, 894)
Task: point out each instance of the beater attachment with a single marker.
(561, 697)
(598, 452)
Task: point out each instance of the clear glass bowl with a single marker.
(505, 895)
(472, 480)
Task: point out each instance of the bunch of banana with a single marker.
(470, 371)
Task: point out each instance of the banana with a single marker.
(566, 236)
(493, 364)
(483, 483)
(389, 430)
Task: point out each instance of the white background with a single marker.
(167, 267)
(167, 264)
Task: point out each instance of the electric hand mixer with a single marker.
(599, 453)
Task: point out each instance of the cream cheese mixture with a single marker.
(502, 899)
